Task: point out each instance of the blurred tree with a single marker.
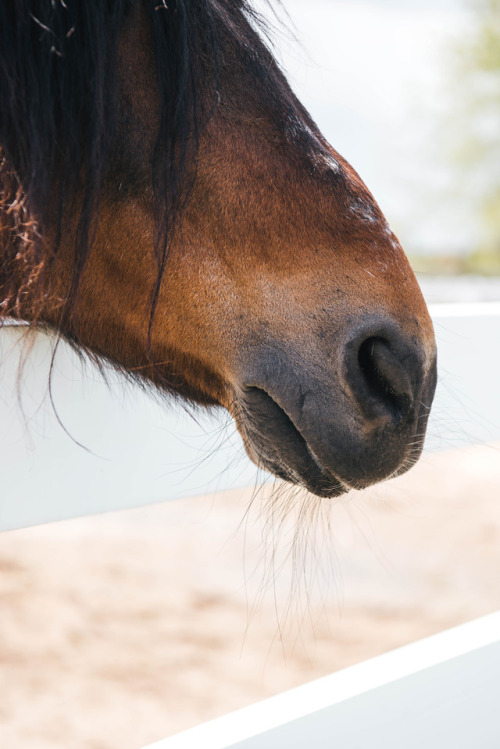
(476, 145)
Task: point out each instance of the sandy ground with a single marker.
(118, 630)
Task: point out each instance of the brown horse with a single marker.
(168, 206)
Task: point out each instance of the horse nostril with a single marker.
(386, 375)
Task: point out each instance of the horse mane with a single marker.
(58, 96)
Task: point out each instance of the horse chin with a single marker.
(274, 443)
(290, 458)
(312, 477)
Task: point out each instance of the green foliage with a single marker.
(476, 148)
(484, 47)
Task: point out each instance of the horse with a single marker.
(169, 208)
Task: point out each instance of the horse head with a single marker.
(169, 206)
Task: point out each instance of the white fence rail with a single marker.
(138, 454)
(441, 692)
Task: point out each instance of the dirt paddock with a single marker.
(121, 629)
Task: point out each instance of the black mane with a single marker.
(58, 95)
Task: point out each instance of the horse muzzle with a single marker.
(345, 419)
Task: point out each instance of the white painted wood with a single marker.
(438, 693)
(468, 309)
(139, 452)
(442, 692)
(121, 448)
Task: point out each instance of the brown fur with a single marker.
(274, 245)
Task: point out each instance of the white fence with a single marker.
(138, 453)
(439, 693)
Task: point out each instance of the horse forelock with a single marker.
(59, 84)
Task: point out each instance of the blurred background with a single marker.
(123, 628)
(408, 91)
